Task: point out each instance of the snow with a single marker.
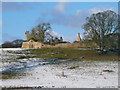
(83, 77)
(11, 49)
(87, 74)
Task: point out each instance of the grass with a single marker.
(11, 75)
(15, 52)
(73, 67)
(23, 57)
(8, 76)
(67, 53)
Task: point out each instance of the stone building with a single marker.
(31, 44)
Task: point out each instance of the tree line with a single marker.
(13, 44)
(102, 28)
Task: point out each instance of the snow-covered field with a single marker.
(77, 74)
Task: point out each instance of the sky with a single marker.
(66, 18)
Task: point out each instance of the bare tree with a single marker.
(41, 31)
(99, 25)
(38, 33)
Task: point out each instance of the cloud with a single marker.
(57, 14)
(73, 21)
(64, 0)
(0, 6)
(55, 34)
(0, 22)
(100, 9)
(60, 7)
(60, 16)
(70, 38)
(15, 6)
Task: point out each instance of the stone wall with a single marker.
(61, 45)
(25, 45)
(66, 45)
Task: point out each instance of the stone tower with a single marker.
(78, 37)
(27, 35)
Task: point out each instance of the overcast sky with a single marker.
(66, 18)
